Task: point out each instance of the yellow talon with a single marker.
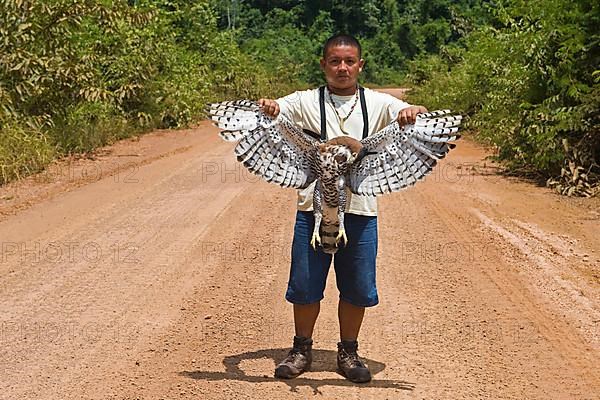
(341, 235)
(315, 239)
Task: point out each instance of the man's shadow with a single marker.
(323, 360)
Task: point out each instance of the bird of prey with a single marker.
(281, 152)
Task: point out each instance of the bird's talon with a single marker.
(315, 239)
(341, 235)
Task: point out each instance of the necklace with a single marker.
(340, 119)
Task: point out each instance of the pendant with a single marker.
(342, 127)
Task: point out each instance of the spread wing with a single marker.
(398, 157)
(275, 149)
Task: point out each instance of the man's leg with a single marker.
(299, 358)
(305, 316)
(308, 274)
(349, 363)
(350, 317)
(355, 275)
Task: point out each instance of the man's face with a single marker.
(342, 67)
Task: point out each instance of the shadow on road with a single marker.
(323, 360)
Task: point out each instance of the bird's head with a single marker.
(344, 150)
(336, 156)
(343, 156)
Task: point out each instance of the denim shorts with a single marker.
(354, 264)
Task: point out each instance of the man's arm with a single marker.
(406, 115)
(399, 110)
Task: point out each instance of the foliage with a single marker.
(78, 74)
(23, 151)
(282, 48)
(527, 84)
(287, 37)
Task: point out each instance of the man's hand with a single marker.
(269, 107)
(408, 115)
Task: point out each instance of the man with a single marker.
(355, 263)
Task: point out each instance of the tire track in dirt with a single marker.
(62, 310)
(485, 316)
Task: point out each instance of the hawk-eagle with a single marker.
(281, 152)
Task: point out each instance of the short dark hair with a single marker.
(341, 39)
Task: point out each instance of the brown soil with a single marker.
(157, 270)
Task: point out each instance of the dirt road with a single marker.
(157, 271)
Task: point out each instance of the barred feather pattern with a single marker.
(330, 224)
(280, 152)
(275, 149)
(330, 200)
(400, 156)
(236, 118)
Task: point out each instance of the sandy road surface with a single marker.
(158, 269)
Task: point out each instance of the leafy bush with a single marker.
(23, 151)
(81, 74)
(86, 126)
(527, 85)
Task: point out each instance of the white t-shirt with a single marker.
(302, 108)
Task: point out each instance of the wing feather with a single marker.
(275, 149)
(398, 157)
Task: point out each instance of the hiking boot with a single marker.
(298, 360)
(349, 362)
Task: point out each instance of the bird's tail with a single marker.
(328, 231)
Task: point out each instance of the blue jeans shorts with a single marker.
(354, 264)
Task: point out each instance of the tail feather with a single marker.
(328, 233)
(329, 229)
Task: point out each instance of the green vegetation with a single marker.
(78, 74)
(75, 75)
(529, 81)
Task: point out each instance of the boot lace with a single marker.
(294, 354)
(352, 359)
